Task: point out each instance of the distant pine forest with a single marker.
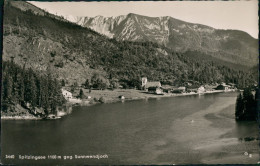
(23, 86)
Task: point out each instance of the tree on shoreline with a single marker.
(246, 105)
(87, 84)
(99, 81)
(24, 86)
(81, 94)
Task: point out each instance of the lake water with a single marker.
(174, 130)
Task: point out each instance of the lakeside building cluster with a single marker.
(157, 88)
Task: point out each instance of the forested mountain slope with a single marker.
(228, 45)
(74, 53)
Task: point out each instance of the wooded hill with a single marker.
(25, 86)
(74, 53)
(229, 45)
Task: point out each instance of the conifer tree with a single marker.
(15, 92)
(21, 87)
(27, 87)
(32, 91)
(59, 97)
(39, 90)
(8, 84)
(63, 82)
(51, 91)
(81, 94)
(44, 94)
(239, 107)
(87, 83)
(246, 106)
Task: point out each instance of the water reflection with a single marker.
(148, 131)
(245, 129)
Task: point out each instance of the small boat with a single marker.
(52, 116)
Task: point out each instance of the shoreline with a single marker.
(147, 96)
(112, 97)
(20, 118)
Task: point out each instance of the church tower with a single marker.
(144, 81)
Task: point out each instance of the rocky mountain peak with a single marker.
(176, 34)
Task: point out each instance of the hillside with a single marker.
(228, 45)
(73, 53)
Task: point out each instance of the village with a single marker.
(149, 89)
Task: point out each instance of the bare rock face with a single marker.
(229, 45)
(74, 52)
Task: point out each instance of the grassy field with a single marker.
(110, 96)
(113, 95)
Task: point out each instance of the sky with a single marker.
(239, 15)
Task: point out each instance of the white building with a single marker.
(144, 81)
(146, 84)
(66, 94)
(182, 88)
(201, 89)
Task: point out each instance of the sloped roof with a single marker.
(65, 91)
(223, 85)
(153, 84)
(152, 88)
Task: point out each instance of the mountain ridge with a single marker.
(74, 53)
(178, 35)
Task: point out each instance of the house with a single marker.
(209, 88)
(179, 90)
(144, 81)
(223, 87)
(155, 90)
(232, 86)
(166, 90)
(153, 84)
(66, 94)
(176, 91)
(182, 89)
(194, 90)
(146, 84)
(201, 89)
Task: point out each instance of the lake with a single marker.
(173, 130)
